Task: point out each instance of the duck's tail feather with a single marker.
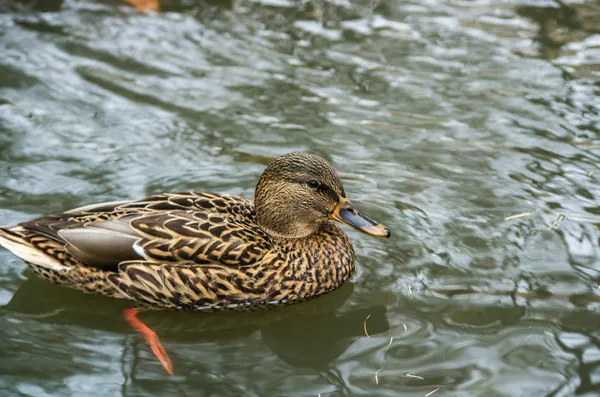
(18, 240)
(48, 258)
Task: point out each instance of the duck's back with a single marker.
(196, 227)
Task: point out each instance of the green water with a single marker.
(442, 117)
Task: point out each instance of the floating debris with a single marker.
(414, 376)
(431, 392)
(556, 222)
(410, 291)
(365, 326)
(389, 344)
(521, 215)
(48, 314)
(590, 173)
(377, 377)
(405, 328)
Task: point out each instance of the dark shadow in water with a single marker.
(183, 5)
(34, 5)
(306, 335)
(584, 323)
(573, 18)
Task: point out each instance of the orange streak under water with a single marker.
(150, 336)
(145, 5)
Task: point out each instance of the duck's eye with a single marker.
(313, 184)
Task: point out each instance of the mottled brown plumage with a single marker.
(201, 251)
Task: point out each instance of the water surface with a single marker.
(443, 118)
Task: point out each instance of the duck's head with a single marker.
(300, 191)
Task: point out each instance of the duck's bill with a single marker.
(347, 214)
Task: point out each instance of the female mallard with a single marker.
(201, 251)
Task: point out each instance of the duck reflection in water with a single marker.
(309, 335)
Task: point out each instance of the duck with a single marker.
(205, 251)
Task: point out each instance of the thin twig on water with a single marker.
(556, 222)
(389, 344)
(521, 215)
(377, 377)
(365, 326)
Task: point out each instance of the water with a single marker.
(442, 117)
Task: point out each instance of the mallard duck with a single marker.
(204, 251)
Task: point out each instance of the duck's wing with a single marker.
(199, 237)
(194, 228)
(207, 287)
